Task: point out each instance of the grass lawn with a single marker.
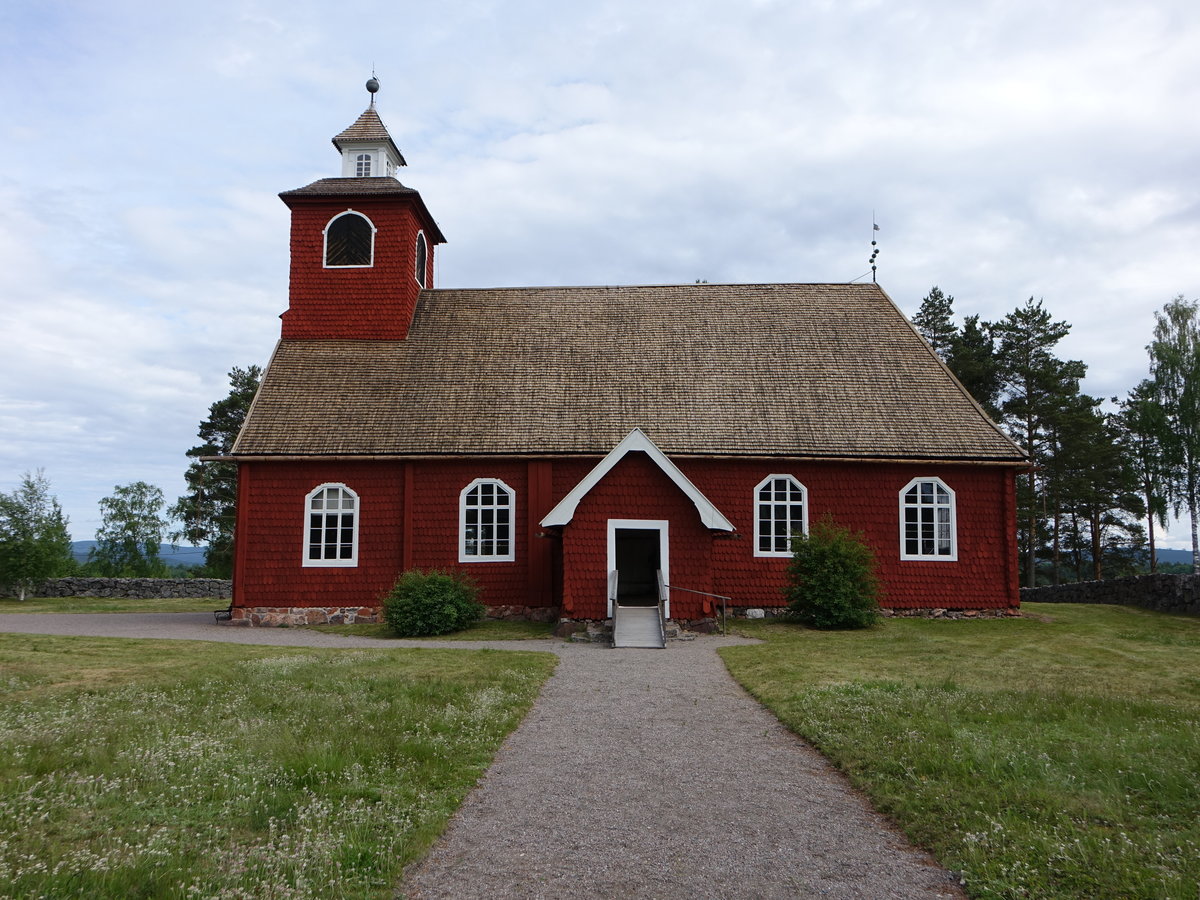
(110, 604)
(487, 630)
(171, 769)
(1052, 756)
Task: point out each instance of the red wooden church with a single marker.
(541, 438)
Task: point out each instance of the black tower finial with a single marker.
(874, 246)
(373, 85)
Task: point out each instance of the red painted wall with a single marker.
(634, 489)
(272, 522)
(272, 529)
(572, 565)
(371, 303)
(865, 497)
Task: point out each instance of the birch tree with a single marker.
(1175, 369)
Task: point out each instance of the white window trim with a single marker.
(325, 241)
(462, 524)
(664, 545)
(331, 563)
(758, 520)
(925, 557)
(421, 276)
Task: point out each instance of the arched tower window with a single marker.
(422, 258)
(349, 240)
(362, 165)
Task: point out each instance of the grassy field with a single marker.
(110, 604)
(488, 630)
(1052, 756)
(161, 769)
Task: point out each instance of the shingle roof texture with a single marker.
(798, 370)
(337, 187)
(367, 127)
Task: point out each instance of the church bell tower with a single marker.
(362, 245)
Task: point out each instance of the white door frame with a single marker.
(664, 559)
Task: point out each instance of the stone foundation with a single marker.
(522, 613)
(939, 613)
(281, 616)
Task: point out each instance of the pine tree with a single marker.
(1035, 383)
(935, 321)
(973, 361)
(208, 510)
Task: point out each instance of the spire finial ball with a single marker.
(373, 84)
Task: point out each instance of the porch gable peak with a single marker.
(710, 516)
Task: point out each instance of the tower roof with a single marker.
(368, 128)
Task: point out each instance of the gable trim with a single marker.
(710, 516)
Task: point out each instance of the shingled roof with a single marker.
(370, 128)
(796, 370)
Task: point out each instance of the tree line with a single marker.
(35, 543)
(1100, 478)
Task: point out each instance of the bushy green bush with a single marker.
(433, 602)
(831, 578)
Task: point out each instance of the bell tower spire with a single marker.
(367, 149)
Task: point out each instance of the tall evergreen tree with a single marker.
(1035, 382)
(1142, 424)
(1098, 485)
(1175, 367)
(34, 543)
(209, 509)
(935, 321)
(974, 362)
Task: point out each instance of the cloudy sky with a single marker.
(1007, 150)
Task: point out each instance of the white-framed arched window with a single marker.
(349, 241)
(928, 521)
(362, 165)
(780, 508)
(486, 515)
(331, 526)
(422, 254)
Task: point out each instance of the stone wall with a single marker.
(134, 587)
(1165, 593)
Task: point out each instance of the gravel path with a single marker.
(638, 774)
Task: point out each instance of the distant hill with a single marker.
(1174, 556)
(171, 555)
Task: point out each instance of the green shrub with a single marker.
(831, 578)
(433, 602)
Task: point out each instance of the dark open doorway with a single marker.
(638, 561)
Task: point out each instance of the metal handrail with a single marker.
(725, 601)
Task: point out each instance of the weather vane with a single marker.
(874, 246)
